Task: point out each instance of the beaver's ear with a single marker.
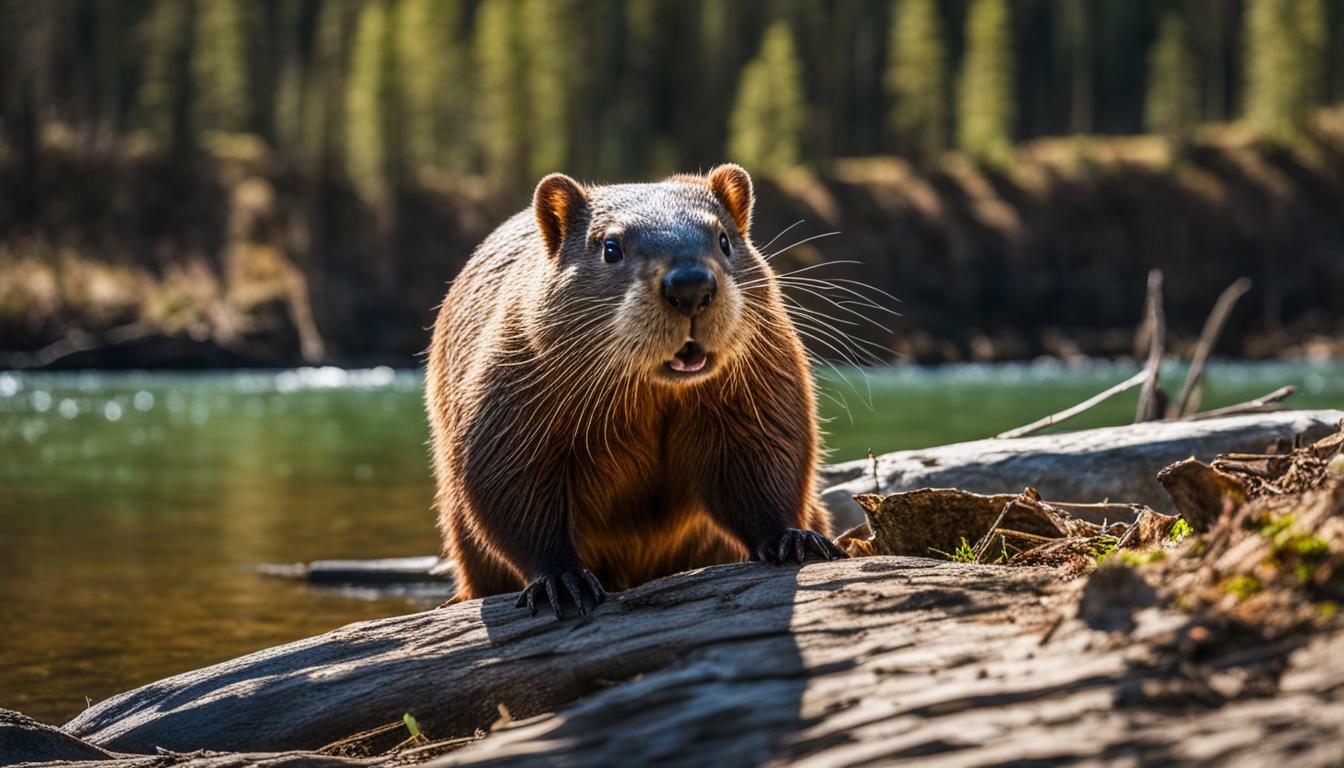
(558, 202)
(732, 186)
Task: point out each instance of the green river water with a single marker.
(134, 507)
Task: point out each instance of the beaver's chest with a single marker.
(636, 516)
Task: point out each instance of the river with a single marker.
(134, 507)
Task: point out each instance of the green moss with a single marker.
(1327, 609)
(1311, 548)
(1242, 586)
(1272, 528)
(1129, 557)
(1103, 547)
(1179, 531)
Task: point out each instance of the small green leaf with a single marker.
(411, 725)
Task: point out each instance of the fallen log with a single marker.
(421, 569)
(867, 660)
(1118, 463)
(23, 739)
(453, 668)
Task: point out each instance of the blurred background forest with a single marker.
(241, 182)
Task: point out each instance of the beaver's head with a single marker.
(658, 280)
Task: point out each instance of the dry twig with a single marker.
(1070, 412)
(1269, 402)
(1150, 405)
(1187, 402)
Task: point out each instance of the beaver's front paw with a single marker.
(575, 581)
(797, 545)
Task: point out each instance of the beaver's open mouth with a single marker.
(691, 358)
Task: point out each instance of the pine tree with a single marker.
(434, 82)
(323, 132)
(1285, 56)
(548, 45)
(373, 140)
(916, 78)
(500, 105)
(219, 67)
(766, 125)
(986, 92)
(166, 89)
(1172, 100)
(292, 83)
(523, 59)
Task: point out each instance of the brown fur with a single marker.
(559, 440)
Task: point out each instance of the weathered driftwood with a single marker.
(23, 739)
(389, 570)
(867, 660)
(452, 668)
(1118, 463)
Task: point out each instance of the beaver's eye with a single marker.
(611, 250)
(723, 244)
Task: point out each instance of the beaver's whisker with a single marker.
(583, 389)
(852, 353)
(862, 284)
(855, 313)
(848, 352)
(572, 342)
(800, 308)
(823, 284)
(587, 409)
(869, 351)
(766, 247)
(786, 248)
(807, 268)
(836, 370)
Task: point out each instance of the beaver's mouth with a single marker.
(691, 358)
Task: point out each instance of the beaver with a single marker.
(616, 393)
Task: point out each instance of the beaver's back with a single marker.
(475, 315)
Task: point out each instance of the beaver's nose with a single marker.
(689, 289)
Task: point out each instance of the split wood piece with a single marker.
(937, 521)
(1201, 493)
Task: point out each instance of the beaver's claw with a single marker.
(797, 545)
(574, 581)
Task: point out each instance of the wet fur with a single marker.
(556, 443)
